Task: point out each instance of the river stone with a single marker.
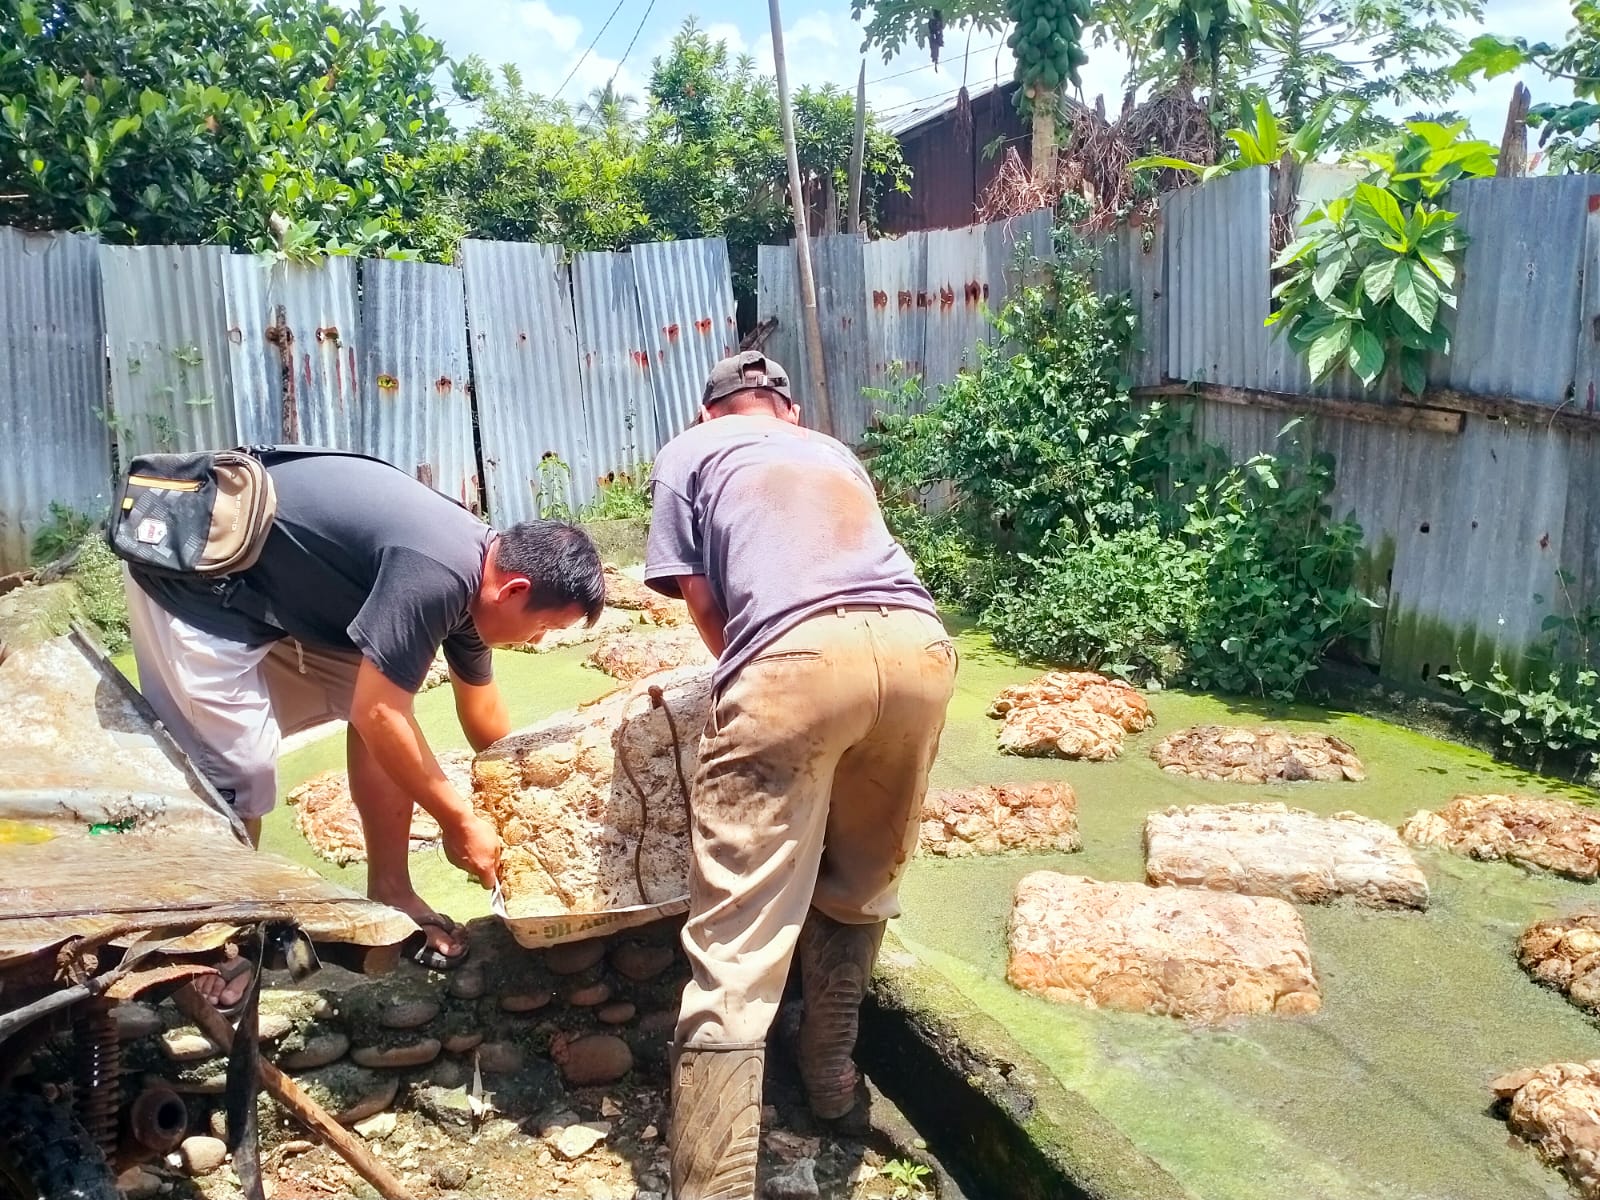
(407, 1054)
(571, 820)
(500, 1058)
(570, 958)
(318, 1051)
(466, 983)
(135, 1021)
(188, 1045)
(524, 1002)
(1258, 755)
(1274, 850)
(1564, 953)
(641, 961)
(446, 1106)
(201, 1155)
(408, 1014)
(462, 1043)
(619, 1013)
(350, 1092)
(636, 653)
(1201, 955)
(327, 818)
(662, 1020)
(588, 997)
(991, 819)
(1557, 1109)
(1532, 831)
(595, 1059)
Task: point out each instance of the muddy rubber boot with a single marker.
(835, 968)
(716, 1123)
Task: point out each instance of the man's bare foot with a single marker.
(443, 941)
(227, 987)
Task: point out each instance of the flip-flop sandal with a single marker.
(416, 946)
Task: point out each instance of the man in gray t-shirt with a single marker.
(832, 679)
(364, 577)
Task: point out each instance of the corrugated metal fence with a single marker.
(910, 307)
(116, 350)
(1472, 504)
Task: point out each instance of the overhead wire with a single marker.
(639, 29)
(582, 58)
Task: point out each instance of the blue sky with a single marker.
(547, 38)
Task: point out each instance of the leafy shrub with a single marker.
(1123, 605)
(1038, 443)
(623, 496)
(1557, 714)
(61, 534)
(1277, 576)
(98, 575)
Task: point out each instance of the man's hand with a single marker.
(474, 846)
(707, 614)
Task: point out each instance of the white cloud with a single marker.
(558, 30)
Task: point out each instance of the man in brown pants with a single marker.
(832, 680)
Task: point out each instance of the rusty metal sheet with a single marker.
(253, 361)
(52, 385)
(618, 382)
(895, 271)
(81, 752)
(525, 374)
(167, 342)
(416, 407)
(686, 304)
(953, 298)
(1133, 259)
(778, 298)
(313, 311)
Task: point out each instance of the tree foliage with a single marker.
(1569, 132)
(197, 120)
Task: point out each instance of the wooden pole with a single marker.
(289, 1094)
(858, 151)
(1514, 142)
(802, 232)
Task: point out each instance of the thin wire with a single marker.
(584, 56)
(648, 8)
(930, 66)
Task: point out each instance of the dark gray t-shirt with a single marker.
(781, 520)
(361, 556)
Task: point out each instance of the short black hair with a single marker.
(559, 560)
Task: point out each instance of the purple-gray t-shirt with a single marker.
(781, 520)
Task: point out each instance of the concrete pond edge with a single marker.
(992, 1113)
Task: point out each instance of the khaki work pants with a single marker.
(812, 773)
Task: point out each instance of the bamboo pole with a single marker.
(802, 231)
(289, 1094)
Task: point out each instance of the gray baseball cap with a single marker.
(744, 372)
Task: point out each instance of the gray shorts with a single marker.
(228, 705)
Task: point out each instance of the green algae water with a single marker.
(1380, 1096)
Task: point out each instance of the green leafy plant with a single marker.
(623, 495)
(1276, 584)
(1261, 142)
(1123, 605)
(550, 492)
(1367, 284)
(62, 533)
(1555, 715)
(909, 1178)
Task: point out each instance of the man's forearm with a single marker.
(399, 747)
(483, 715)
(706, 613)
